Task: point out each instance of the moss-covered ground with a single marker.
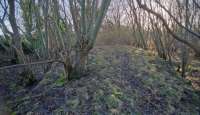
(120, 80)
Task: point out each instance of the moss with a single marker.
(112, 101)
(13, 113)
(61, 80)
(116, 91)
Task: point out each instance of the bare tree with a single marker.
(190, 44)
(87, 16)
(137, 18)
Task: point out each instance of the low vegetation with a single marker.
(121, 80)
(119, 57)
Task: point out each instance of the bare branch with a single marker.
(167, 27)
(192, 32)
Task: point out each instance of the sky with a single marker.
(124, 18)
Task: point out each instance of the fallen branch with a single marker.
(28, 64)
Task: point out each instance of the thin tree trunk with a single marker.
(185, 52)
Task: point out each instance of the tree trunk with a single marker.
(78, 68)
(80, 63)
(86, 26)
(16, 40)
(16, 44)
